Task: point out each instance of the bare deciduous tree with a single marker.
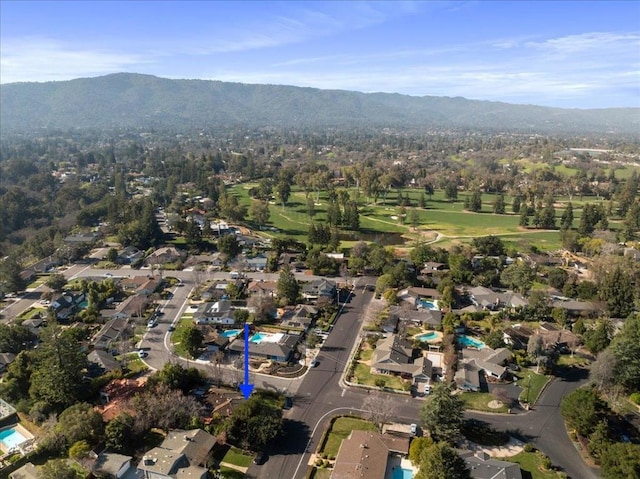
(380, 408)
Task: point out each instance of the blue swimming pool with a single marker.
(230, 333)
(256, 338)
(430, 336)
(400, 473)
(469, 342)
(11, 438)
(430, 304)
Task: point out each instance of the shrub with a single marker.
(528, 447)
(635, 398)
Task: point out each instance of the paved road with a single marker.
(319, 394)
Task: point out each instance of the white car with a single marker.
(152, 323)
(142, 353)
(313, 363)
(413, 429)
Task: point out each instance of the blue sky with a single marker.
(583, 54)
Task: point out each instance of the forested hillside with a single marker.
(142, 101)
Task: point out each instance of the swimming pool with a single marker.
(429, 304)
(266, 337)
(12, 437)
(400, 473)
(469, 342)
(430, 336)
(230, 333)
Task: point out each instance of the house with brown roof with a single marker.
(365, 454)
(115, 395)
(263, 288)
(140, 284)
(166, 255)
(394, 356)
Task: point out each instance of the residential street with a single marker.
(320, 395)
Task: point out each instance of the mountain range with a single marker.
(128, 100)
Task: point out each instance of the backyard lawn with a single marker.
(340, 429)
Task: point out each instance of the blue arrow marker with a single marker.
(246, 388)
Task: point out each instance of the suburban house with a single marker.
(115, 394)
(166, 255)
(82, 238)
(477, 361)
(488, 299)
(517, 336)
(279, 347)
(483, 467)
(101, 362)
(132, 307)
(212, 339)
(425, 317)
(320, 288)
(366, 454)
(67, 304)
(257, 263)
(5, 360)
(218, 290)
(300, 317)
(28, 471)
(109, 465)
(182, 454)
(394, 356)
(576, 308)
(140, 284)
(263, 288)
(219, 312)
(129, 255)
(113, 331)
(414, 294)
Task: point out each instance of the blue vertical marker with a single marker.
(246, 388)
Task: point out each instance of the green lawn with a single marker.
(340, 430)
(228, 473)
(568, 360)
(184, 323)
(440, 215)
(537, 382)
(39, 281)
(364, 376)
(531, 462)
(366, 354)
(321, 473)
(480, 402)
(237, 457)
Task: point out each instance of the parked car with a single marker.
(313, 363)
(413, 429)
(260, 458)
(142, 353)
(152, 323)
(288, 403)
(172, 328)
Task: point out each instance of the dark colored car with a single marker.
(288, 403)
(260, 458)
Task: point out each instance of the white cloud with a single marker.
(41, 59)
